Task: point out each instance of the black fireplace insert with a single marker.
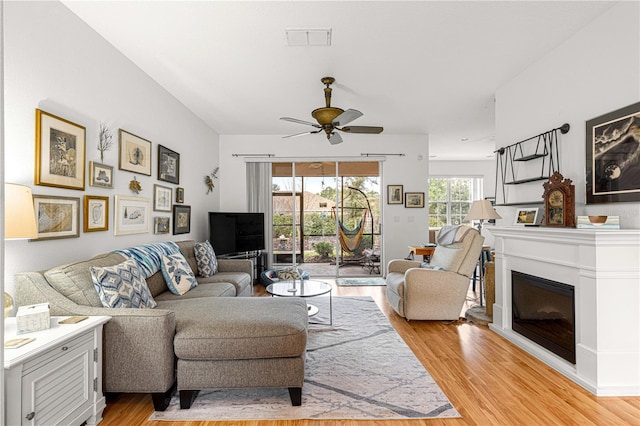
(544, 311)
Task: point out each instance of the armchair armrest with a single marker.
(401, 265)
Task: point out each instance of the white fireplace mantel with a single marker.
(604, 268)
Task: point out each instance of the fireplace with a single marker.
(544, 311)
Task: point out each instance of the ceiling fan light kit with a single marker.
(331, 118)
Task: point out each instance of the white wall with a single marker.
(401, 227)
(594, 72)
(54, 62)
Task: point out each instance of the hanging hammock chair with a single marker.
(350, 239)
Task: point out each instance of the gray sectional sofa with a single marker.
(206, 338)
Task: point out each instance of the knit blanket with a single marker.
(451, 234)
(149, 256)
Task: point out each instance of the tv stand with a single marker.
(258, 258)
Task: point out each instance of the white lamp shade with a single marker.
(482, 210)
(19, 215)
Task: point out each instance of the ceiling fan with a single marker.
(331, 119)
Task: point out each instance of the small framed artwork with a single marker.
(161, 225)
(135, 153)
(131, 215)
(168, 165)
(528, 217)
(179, 195)
(181, 219)
(100, 175)
(613, 162)
(60, 152)
(394, 194)
(414, 199)
(162, 198)
(96, 213)
(56, 217)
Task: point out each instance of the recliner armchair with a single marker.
(438, 291)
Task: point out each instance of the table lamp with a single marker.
(19, 222)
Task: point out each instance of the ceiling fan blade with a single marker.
(302, 134)
(335, 138)
(295, 120)
(346, 117)
(362, 129)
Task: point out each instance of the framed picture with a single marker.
(100, 175)
(161, 225)
(414, 199)
(96, 213)
(181, 219)
(56, 217)
(394, 194)
(162, 198)
(60, 152)
(528, 217)
(168, 165)
(179, 195)
(135, 153)
(131, 215)
(613, 163)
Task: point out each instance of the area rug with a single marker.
(358, 368)
(372, 281)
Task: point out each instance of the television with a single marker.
(231, 233)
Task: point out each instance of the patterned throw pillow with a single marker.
(122, 286)
(289, 274)
(206, 259)
(178, 274)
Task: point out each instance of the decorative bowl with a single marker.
(597, 220)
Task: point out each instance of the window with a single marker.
(450, 199)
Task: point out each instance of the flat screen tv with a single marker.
(231, 233)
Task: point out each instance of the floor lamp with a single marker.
(481, 210)
(19, 222)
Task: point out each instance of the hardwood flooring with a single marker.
(488, 380)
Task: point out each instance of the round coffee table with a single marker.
(303, 288)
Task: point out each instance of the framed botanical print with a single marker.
(100, 175)
(135, 153)
(131, 215)
(162, 198)
(161, 225)
(414, 199)
(181, 219)
(96, 213)
(613, 163)
(60, 152)
(394, 194)
(168, 165)
(56, 217)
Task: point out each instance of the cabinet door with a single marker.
(60, 390)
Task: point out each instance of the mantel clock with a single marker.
(559, 202)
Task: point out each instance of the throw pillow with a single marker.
(122, 286)
(178, 274)
(289, 274)
(205, 259)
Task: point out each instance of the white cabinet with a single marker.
(57, 378)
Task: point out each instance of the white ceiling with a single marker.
(413, 67)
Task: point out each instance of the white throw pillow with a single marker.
(178, 274)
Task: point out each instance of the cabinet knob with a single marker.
(30, 416)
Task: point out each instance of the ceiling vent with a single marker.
(308, 37)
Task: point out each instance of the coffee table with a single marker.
(304, 288)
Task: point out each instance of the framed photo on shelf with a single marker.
(394, 194)
(56, 217)
(96, 213)
(414, 199)
(161, 225)
(162, 198)
(100, 175)
(181, 219)
(134, 154)
(131, 215)
(613, 162)
(179, 195)
(168, 165)
(528, 217)
(60, 152)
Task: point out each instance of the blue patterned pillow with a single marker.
(205, 259)
(289, 274)
(122, 286)
(178, 274)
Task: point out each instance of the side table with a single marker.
(57, 378)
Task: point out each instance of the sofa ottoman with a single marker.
(240, 343)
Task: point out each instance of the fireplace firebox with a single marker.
(544, 311)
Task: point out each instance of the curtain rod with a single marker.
(362, 154)
(369, 154)
(253, 155)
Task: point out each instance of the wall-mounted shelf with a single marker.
(543, 147)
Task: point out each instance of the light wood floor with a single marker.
(487, 379)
